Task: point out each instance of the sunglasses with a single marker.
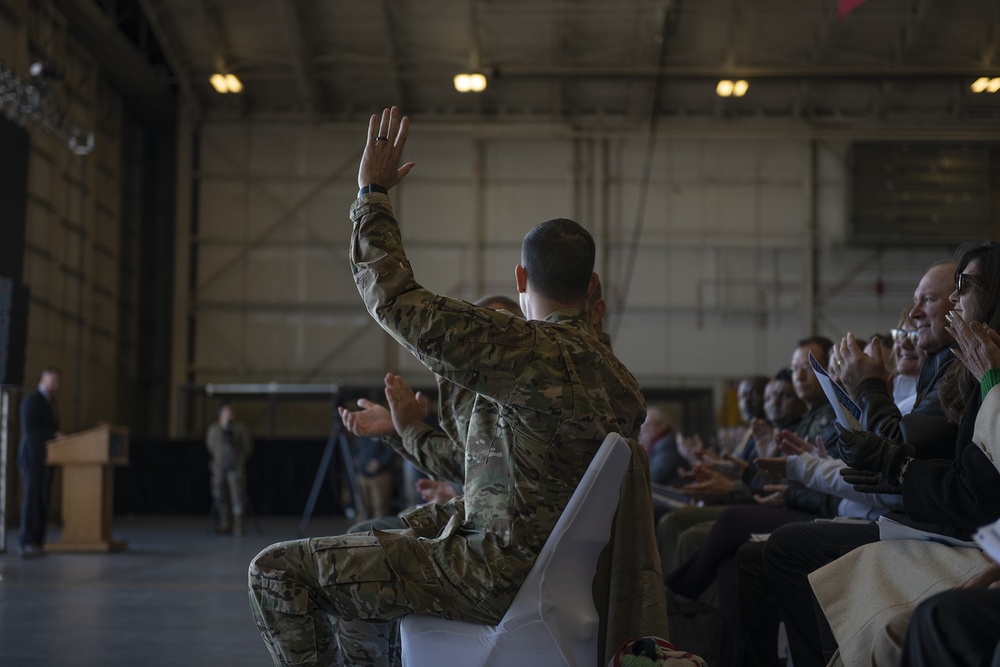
(964, 282)
(899, 335)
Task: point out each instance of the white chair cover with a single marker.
(552, 620)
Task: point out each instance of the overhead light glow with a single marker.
(226, 83)
(233, 84)
(219, 83)
(740, 88)
(985, 84)
(477, 82)
(979, 85)
(470, 83)
(724, 88)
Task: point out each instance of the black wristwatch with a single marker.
(372, 187)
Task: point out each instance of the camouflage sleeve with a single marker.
(430, 519)
(431, 451)
(481, 349)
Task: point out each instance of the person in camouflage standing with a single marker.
(548, 392)
(229, 446)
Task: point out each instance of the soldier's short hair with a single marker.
(558, 257)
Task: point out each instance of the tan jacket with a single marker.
(628, 586)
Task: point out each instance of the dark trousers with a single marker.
(756, 643)
(958, 628)
(35, 502)
(716, 562)
(790, 555)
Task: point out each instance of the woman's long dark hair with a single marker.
(958, 382)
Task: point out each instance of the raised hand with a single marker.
(371, 420)
(380, 161)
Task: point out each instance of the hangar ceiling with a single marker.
(584, 61)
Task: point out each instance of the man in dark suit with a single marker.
(39, 424)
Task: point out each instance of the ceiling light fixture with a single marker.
(226, 83)
(979, 85)
(470, 82)
(219, 83)
(727, 88)
(985, 84)
(234, 84)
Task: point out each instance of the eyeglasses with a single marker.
(899, 335)
(964, 282)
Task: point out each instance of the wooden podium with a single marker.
(87, 458)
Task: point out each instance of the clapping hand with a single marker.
(371, 420)
(729, 465)
(405, 407)
(764, 434)
(691, 448)
(709, 485)
(792, 444)
(854, 366)
(979, 345)
(432, 491)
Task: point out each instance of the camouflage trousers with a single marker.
(331, 601)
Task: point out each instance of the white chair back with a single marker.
(552, 618)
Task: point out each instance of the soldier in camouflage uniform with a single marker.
(548, 392)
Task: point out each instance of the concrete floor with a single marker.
(177, 597)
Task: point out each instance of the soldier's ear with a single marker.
(521, 279)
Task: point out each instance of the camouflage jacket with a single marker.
(228, 453)
(547, 393)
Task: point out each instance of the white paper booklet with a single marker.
(893, 530)
(988, 537)
(848, 412)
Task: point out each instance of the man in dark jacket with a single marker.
(925, 428)
(39, 424)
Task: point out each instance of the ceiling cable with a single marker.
(647, 168)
